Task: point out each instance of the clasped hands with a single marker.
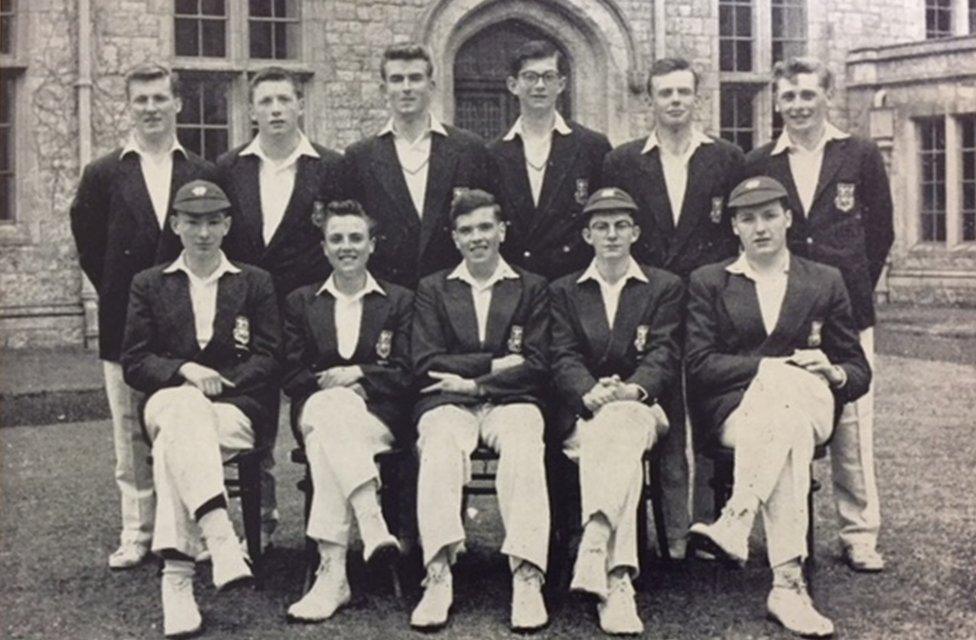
(342, 376)
(608, 389)
(453, 383)
(816, 362)
(207, 380)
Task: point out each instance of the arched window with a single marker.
(482, 102)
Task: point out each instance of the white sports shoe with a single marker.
(327, 595)
(790, 605)
(618, 615)
(528, 607)
(432, 610)
(181, 617)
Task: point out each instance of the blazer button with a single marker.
(127, 252)
(809, 240)
(565, 248)
(527, 254)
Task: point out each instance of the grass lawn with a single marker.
(59, 521)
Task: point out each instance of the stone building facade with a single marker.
(62, 64)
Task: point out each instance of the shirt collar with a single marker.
(633, 271)
(558, 125)
(433, 125)
(697, 139)
(132, 146)
(502, 272)
(742, 267)
(783, 143)
(304, 148)
(226, 266)
(372, 286)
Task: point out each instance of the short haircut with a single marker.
(152, 71)
(408, 51)
(536, 50)
(664, 66)
(790, 68)
(273, 74)
(467, 200)
(321, 214)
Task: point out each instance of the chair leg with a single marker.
(808, 564)
(311, 554)
(643, 562)
(249, 473)
(657, 504)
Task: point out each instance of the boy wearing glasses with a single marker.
(615, 354)
(545, 167)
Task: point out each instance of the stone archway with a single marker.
(593, 33)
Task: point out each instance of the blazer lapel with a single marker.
(136, 194)
(505, 297)
(231, 291)
(376, 309)
(248, 185)
(593, 316)
(562, 157)
(696, 204)
(741, 302)
(321, 322)
(833, 158)
(800, 295)
(389, 173)
(439, 173)
(630, 309)
(299, 203)
(517, 175)
(655, 192)
(460, 311)
(175, 294)
(779, 168)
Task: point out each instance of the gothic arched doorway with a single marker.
(482, 102)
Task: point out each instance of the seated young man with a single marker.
(347, 369)
(480, 342)
(201, 341)
(615, 352)
(772, 354)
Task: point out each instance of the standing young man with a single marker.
(201, 341)
(679, 178)
(544, 168)
(615, 355)
(118, 219)
(480, 341)
(842, 216)
(273, 182)
(772, 354)
(405, 176)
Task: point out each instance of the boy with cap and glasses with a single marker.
(615, 353)
(772, 355)
(201, 342)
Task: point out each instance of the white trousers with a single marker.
(190, 436)
(852, 465)
(448, 434)
(341, 439)
(610, 447)
(784, 413)
(132, 472)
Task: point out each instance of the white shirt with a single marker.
(770, 288)
(349, 312)
(536, 151)
(805, 163)
(158, 174)
(414, 159)
(611, 292)
(481, 291)
(277, 181)
(676, 168)
(203, 294)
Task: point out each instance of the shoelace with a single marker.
(530, 577)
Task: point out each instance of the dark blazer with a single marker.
(383, 350)
(850, 231)
(547, 239)
(160, 337)
(703, 233)
(726, 338)
(294, 255)
(642, 347)
(445, 338)
(409, 247)
(117, 234)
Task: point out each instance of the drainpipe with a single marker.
(89, 298)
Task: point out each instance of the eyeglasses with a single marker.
(620, 226)
(531, 77)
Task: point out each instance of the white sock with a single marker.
(179, 568)
(216, 527)
(788, 573)
(596, 533)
